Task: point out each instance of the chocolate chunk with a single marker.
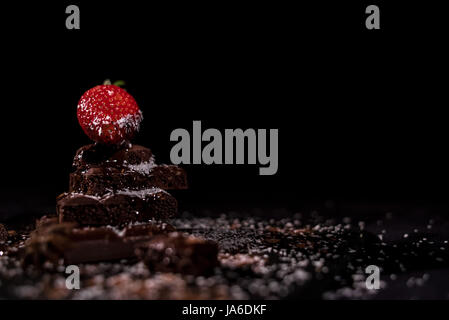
(168, 177)
(111, 155)
(47, 244)
(116, 208)
(105, 244)
(101, 180)
(54, 242)
(3, 233)
(179, 254)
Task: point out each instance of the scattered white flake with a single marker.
(130, 122)
(144, 167)
(140, 193)
(76, 194)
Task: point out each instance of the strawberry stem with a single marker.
(119, 83)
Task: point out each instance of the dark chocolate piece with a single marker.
(169, 177)
(47, 244)
(53, 242)
(117, 208)
(179, 254)
(3, 233)
(106, 244)
(101, 180)
(110, 155)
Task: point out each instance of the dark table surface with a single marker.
(409, 242)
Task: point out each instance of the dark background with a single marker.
(361, 114)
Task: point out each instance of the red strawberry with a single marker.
(108, 114)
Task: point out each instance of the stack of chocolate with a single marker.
(115, 209)
(117, 203)
(116, 185)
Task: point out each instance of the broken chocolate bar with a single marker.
(47, 244)
(100, 169)
(100, 180)
(105, 244)
(179, 254)
(116, 208)
(53, 241)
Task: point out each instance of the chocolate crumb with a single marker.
(3, 233)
